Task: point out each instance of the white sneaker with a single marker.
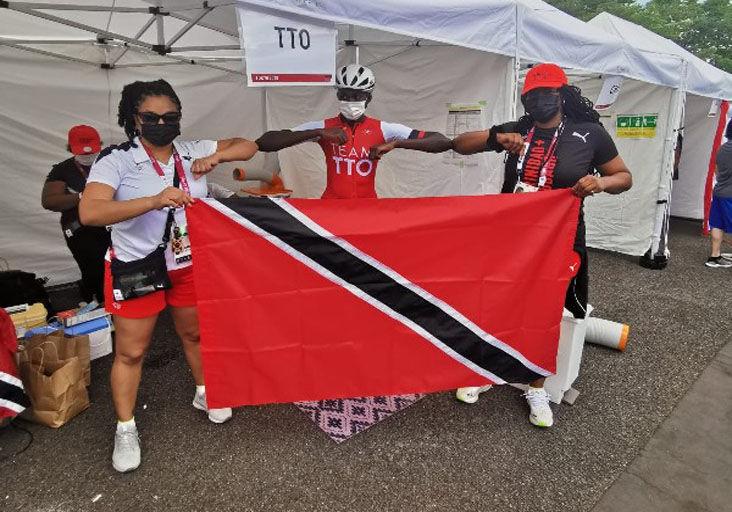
(126, 455)
(727, 255)
(541, 414)
(470, 395)
(215, 415)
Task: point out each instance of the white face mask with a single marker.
(352, 110)
(86, 160)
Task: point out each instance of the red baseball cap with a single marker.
(84, 140)
(544, 75)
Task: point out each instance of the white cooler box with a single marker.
(99, 331)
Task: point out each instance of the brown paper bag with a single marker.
(56, 389)
(66, 347)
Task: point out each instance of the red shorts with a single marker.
(182, 294)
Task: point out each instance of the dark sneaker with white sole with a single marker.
(718, 262)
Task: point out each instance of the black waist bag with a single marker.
(137, 278)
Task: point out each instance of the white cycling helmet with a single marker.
(355, 76)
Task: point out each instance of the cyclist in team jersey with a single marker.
(348, 138)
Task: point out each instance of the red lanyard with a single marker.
(178, 169)
(547, 156)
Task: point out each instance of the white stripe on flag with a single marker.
(15, 381)
(12, 406)
(357, 291)
(449, 310)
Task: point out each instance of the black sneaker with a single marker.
(718, 262)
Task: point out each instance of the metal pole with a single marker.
(81, 26)
(47, 53)
(192, 23)
(180, 49)
(11, 40)
(139, 34)
(76, 7)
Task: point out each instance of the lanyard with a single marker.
(547, 156)
(178, 169)
(81, 170)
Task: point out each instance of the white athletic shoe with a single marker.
(126, 455)
(470, 395)
(215, 415)
(541, 414)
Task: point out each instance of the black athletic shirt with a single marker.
(582, 147)
(69, 174)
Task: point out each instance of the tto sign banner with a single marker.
(285, 49)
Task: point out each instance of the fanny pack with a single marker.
(70, 228)
(137, 278)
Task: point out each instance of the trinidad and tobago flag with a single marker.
(314, 299)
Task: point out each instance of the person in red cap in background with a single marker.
(558, 143)
(62, 192)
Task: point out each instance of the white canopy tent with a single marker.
(687, 110)
(65, 65)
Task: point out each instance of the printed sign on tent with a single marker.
(284, 49)
(609, 93)
(636, 126)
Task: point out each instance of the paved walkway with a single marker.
(687, 465)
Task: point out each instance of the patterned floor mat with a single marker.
(344, 418)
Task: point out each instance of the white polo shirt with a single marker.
(128, 170)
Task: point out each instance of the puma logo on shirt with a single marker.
(583, 137)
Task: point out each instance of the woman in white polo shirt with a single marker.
(134, 187)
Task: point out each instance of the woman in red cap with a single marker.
(559, 143)
(62, 193)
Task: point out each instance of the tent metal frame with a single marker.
(163, 48)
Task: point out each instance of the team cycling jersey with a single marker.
(351, 173)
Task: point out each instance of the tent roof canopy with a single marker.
(159, 32)
(702, 78)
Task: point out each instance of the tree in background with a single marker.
(702, 27)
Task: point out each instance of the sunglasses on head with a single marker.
(153, 118)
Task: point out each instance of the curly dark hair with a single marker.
(135, 93)
(576, 107)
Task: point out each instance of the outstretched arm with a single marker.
(227, 150)
(281, 139)
(429, 142)
(470, 143)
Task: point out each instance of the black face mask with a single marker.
(542, 106)
(160, 134)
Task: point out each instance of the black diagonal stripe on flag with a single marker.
(13, 393)
(270, 217)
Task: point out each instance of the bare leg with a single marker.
(186, 325)
(717, 235)
(132, 338)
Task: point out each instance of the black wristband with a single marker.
(492, 144)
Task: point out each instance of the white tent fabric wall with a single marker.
(412, 88)
(626, 222)
(43, 97)
(699, 130)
